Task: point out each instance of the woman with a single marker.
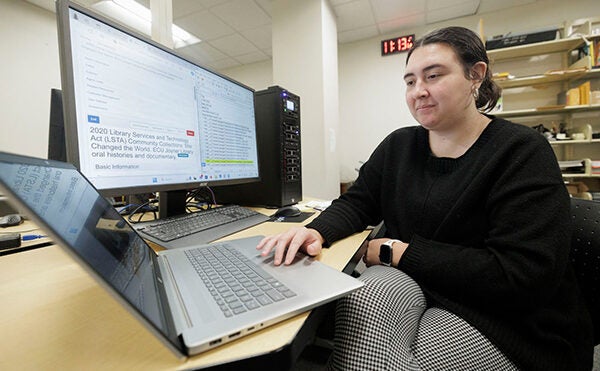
(477, 225)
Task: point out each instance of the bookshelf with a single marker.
(536, 80)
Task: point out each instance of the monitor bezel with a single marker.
(70, 113)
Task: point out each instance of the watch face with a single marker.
(385, 254)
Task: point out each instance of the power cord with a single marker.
(142, 210)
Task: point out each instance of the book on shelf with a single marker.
(572, 167)
(595, 167)
(591, 54)
(579, 95)
(573, 97)
(596, 53)
(596, 61)
(584, 92)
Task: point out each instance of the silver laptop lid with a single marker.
(62, 202)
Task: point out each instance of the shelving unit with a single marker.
(546, 47)
(531, 98)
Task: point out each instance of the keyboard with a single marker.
(202, 226)
(237, 284)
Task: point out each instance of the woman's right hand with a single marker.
(287, 244)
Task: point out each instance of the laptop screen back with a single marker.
(59, 197)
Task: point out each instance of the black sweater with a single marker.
(488, 233)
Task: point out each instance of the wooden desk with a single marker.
(55, 316)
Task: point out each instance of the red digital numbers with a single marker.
(397, 45)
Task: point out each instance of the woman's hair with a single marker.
(470, 49)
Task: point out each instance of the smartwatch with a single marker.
(385, 252)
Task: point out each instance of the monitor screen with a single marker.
(140, 118)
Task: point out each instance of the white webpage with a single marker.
(146, 116)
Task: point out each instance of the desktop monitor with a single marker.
(142, 118)
(57, 149)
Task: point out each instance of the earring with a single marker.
(475, 93)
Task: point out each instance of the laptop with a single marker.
(177, 294)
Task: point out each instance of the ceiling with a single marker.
(238, 32)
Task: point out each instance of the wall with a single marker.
(371, 96)
(258, 75)
(29, 68)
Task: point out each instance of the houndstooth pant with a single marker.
(387, 326)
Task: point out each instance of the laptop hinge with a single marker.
(180, 304)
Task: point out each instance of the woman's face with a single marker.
(438, 94)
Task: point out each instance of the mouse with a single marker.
(287, 211)
(10, 220)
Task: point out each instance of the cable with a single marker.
(200, 198)
(124, 210)
(30, 237)
(142, 209)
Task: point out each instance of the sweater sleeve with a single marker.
(360, 206)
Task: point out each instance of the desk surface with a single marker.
(54, 315)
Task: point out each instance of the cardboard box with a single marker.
(575, 188)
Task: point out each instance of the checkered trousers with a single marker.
(387, 326)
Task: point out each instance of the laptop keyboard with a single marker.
(237, 284)
(172, 228)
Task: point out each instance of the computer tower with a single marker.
(279, 154)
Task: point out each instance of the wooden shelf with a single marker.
(546, 79)
(564, 142)
(545, 47)
(549, 111)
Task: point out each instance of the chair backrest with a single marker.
(585, 255)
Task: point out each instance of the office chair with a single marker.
(585, 255)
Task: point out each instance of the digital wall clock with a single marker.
(397, 44)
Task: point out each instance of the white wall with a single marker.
(371, 97)
(258, 75)
(29, 68)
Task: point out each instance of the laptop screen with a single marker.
(67, 204)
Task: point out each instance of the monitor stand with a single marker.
(171, 203)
